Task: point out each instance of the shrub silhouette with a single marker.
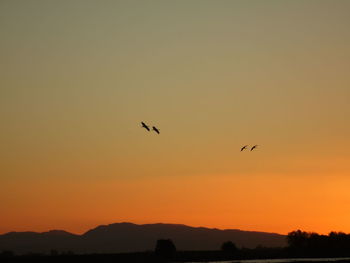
(165, 248)
(229, 247)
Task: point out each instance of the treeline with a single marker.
(335, 244)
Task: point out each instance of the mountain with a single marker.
(128, 237)
(26, 242)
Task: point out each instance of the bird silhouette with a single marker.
(155, 129)
(244, 147)
(253, 147)
(145, 126)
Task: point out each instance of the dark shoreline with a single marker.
(181, 256)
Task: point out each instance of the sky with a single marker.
(78, 77)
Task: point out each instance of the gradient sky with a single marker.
(77, 77)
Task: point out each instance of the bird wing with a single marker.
(145, 126)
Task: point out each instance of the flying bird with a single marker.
(253, 147)
(155, 129)
(145, 126)
(244, 147)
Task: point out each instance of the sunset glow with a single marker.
(78, 77)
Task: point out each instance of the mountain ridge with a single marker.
(130, 237)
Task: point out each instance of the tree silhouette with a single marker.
(229, 247)
(165, 248)
(297, 239)
(312, 244)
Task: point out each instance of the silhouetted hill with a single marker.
(25, 242)
(128, 237)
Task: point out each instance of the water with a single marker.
(282, 260)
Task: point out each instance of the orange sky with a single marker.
(78, 77)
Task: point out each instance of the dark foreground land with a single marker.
(179, 256)
(310, 247)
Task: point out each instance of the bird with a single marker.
(155, 129)
(145, 126)
(253, 147)
(244, 147)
